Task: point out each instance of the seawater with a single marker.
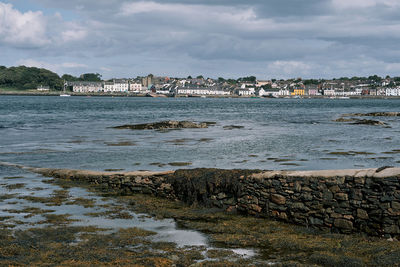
(290, 134)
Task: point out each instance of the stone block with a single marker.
(299, 206)
(334, 189)
(278, 199)
(341, 196)
(391, 229)
(395, 205)
(343, 224)
(362, 214)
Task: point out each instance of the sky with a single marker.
(215, 38)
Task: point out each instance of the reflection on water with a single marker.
(32, 204)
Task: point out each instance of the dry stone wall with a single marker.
(343, 201)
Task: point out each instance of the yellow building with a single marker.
(298, 92)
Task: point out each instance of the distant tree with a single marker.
(247, 79)
(231, 81)
(273, 80)
(375, 78)
(267, 86)
(90, 77)
(311, 81)
(221, 80)
(23, 77)
(200, 77)
(387, 77)
(69, 78)
(189, 77)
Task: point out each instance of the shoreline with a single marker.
(340, 201)
(57, 93)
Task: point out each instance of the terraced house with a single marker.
(86, 87)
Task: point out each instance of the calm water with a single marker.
(278, 133)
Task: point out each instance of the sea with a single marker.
(274, 134)
(252, 133)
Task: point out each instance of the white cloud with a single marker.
(22, 29)
(73, 35)
(289, 68)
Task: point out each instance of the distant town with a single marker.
(245, 87)
(24, 79)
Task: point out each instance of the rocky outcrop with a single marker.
(164, 125)
(343, 201)
(373, 114)
(356, 121)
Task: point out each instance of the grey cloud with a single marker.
(225, 38)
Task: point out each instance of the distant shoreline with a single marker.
(57, 93)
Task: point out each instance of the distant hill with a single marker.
(23, 78)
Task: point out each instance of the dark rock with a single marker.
(231, 127)
(368, 122)
(164, 125)
(356, 121)
(373, 114)
(396, 205)
(362, 214)
(343, 224)
(341, 196)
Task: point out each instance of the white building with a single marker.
(245, 92)
(329, 92)
(284, 92)
(121, 86)
(108, 87)
(202, 91)
(87, 87)
(116, 86)
(392, 91)
(135, 87)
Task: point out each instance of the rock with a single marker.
(231, 127)
(299, 206)
(343, 224)
(395, 205)
(391, 229)
(341, 196)
(278, 199)
(368, 122)
(283, 216)
(164, 125)
(334, 189)
(255, 208)
(356, 121)
(362, 214)
(344, 120)
(373, 114)
(221, 195)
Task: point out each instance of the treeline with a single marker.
(24, 78)
(28, 78)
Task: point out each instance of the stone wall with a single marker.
(340, 200)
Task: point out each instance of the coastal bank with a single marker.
(343, 201)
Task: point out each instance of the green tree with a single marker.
(69, 78)
(23, 78)
(90, 77)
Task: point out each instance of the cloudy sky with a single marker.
(228, 38)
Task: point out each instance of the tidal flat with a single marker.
(73, 224)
